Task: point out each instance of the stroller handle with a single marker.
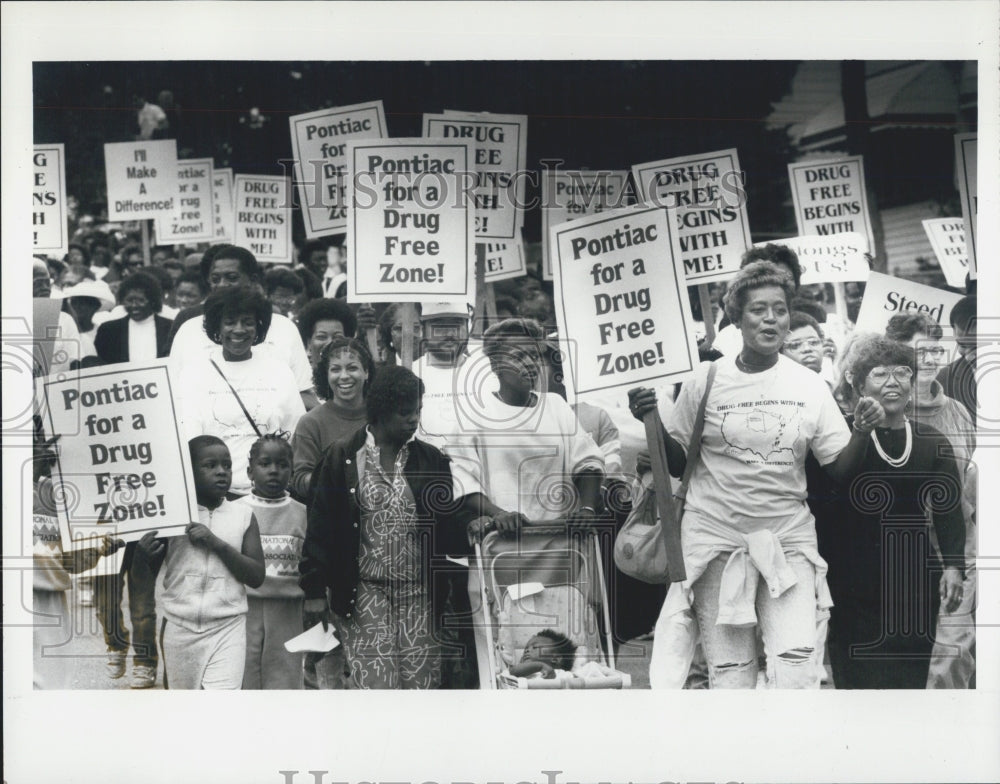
(481, 526)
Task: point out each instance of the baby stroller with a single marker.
(548, 577)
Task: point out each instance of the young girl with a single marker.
(275, 609)
(201, 592)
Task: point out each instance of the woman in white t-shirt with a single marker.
(748, 537)
(236, 393)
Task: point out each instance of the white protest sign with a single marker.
(124, 466)
(264, 217)
(831, 259)
(141, 179)
(410, 231)
(572, 194)
(319, 148)
(193, 217)
(947, 237)
(503, 260)
(830, 198)
(499, 145)
(965, 169)
(711, 207)
(621, 298)
(886, 296)
(222, 195)
(48, 200)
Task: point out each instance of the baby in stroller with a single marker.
(551, 654)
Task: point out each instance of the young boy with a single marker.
(201, 593)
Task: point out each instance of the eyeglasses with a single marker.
(934, 352)
(880, 376)
(798, 345)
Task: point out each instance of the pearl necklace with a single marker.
(901, 460)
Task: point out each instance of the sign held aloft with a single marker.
(264, 217)
(498, 144)
(621, 295)
(48, 200)
(141, 179)
(947, 237)
(965, 171)
(887, 296)
(836, 258)
(567, 195)
(410, 234)
(124, 467)
(222, 196)
(319, 147)
(710, 202)
(503, 260)
(193, 217)
(829, 197)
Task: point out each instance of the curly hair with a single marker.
(880, 352)
(282, 277)
(321, 374)
(272, 438)
(799, 319)
(497, 335)
(248, 262)
(776, 254)
(145, 283)
(233, 301)
(393, 388)
(196, 444)
(903, 326)
(326, 310)
(562, 649)
(755, 275)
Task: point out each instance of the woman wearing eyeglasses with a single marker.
(953, 662)
(886, 579)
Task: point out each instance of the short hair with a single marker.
(799, 319)
(755, 275)
(166, 282)
(272, 438)
(964, 313)
(326, 310)
(232, 301)
(321, 379)
(311, 247)
(880, 352)
(810, 307)
(83, 250)
(145, 282)
(313, 286)
(198, 443)
(284, 278)
(193, 276)
(386, 321)
(562, 648)
(776, 254)
(392, 388)
(248, 262)
(128, 250)
(497, 335)
(903, 326)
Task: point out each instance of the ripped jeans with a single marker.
(787, 622)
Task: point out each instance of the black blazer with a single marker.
(111, 340)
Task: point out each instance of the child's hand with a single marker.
(201, 536)
(150, 546)
(547, 670)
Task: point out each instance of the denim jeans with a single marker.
(788, 624)
(142, 608)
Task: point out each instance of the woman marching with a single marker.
(748, 537)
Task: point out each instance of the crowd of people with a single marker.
(830, 514)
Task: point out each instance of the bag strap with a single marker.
(238, 400)
(694, 450)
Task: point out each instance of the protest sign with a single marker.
(48, 200)
(885, 296)
(621, 297)
(965, 169)
(503, 260)
(45, 332)
(835, 258)
(947, 237)
(498, 158)
(193, 217)
(829, 197)
(124, 466)
(572, 194)
(712, 224)
(319, 147)
(410, 234)
(263, 217)
(141, 179)
(222, 196)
